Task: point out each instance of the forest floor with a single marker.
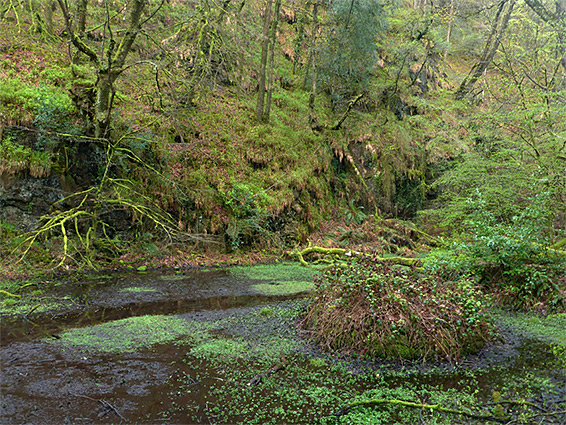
(224, 345)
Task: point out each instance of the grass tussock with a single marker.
(379, 310)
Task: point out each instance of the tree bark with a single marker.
(449, 29)
(312, 96)
(81, 16)
(312, 45)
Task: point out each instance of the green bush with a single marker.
(246, 205)
(53, 118)
(18, 100)
(512, 259)
(375, 309)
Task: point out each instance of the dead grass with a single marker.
(373, 309)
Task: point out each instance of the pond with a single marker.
(223, 346)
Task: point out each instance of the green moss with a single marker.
(318, 362)
(9, 302)
(229, 349)
(28, 304)
(127, 335)
(12, 287)
(283, 288)
(266, 311)
(551, 328)
(15, 158)
(281, 278)
(173, 277)
(137, 289)
(220, 347)
(206, 339)
(278, 273)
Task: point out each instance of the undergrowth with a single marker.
(513, 260)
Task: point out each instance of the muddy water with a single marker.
(106, 297)
(46, 383)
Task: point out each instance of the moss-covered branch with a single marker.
(558, 245)
(317, 249)
(410, 404)
(347, 112)
(8, 294)
(404, 261)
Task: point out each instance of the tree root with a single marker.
(410, 404)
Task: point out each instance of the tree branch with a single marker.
(77, 41)
(347, 112)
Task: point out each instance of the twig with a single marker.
(257, 379)
(35, 307)
(104, 403)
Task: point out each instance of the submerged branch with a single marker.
(410, 404)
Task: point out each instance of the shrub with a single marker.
(375, 309)
(19, 101)
(514, 260)
(53, 118)
(246, 205)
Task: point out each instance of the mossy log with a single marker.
(404, 261)
(395, 226)
(410, 404)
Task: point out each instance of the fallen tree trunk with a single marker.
(404, 261)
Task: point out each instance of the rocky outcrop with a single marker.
(23, 199)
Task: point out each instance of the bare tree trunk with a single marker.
(263, 64)
(273, 41)
(312, 44)
(449, 30)
(299, 41)
(48, 9)
(491, 46)
(110, 67)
